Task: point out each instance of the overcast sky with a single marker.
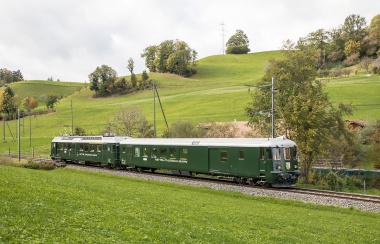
(68, 39)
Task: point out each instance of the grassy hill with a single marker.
(216, 93)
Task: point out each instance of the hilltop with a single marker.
(217, 93)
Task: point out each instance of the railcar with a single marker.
(265, 161)
(87, 149)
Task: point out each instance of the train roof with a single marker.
(90, 139)
(226, 142)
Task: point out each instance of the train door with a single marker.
(54, 146)
(278, 159)
(104, 157)
(218, 160)
(265, 160)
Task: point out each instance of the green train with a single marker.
(255, 161)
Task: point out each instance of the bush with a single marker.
(42, 166)
(353, 182)
(240, 49)
(7, 161)
(334, 182)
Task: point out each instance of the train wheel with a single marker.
(139, 169)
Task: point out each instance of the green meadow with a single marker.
(69, 206)
(217, 93)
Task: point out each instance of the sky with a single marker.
(68, 39)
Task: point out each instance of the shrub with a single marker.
(353, 182)
(334, 182)
(35, 165)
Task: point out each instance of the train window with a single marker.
(137, 152)
(295, 152)
(99, 148)
(69, 146)
(113, 148)
(129, 150)
(287, 153)
(262, 154)
(86, 147)
(92, 148)
(145, 152)
(163, 152)
(173, 152)
(154, 153)
(269, 153)
(223, 156)
(81, 147)
(183, 153)
(276, 153)
(241, 155)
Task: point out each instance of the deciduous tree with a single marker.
(303, 110)
(8, 103)
(171, 56)
(51, 101)
(29, 103)
(238, 43)
(102, 80)
(129, 121)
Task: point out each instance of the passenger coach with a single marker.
(270, 161)
(87, 149)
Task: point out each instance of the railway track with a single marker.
(340, 195)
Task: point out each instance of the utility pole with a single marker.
(223, 35)
(72, 118)
(154, 109)
(18, 135)
(272, 111)
(155, 91)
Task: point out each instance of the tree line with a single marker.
(303, 110)
(349, 44)
(9, 76)
(9, 103)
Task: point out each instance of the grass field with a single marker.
(218, 92)
(68, 206)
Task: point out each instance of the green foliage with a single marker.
(238, 43)
(128, 121)
(102, 80)
(79, 131)
(303, 107)
(237, 49)
(67, 206)
(8, 102)
(374, 150)
(51, 101)
(171, 56)
(184, 129)
(351, 47)
(354, 28)
(144, 76)
(334, 182)
(131, 65)
(8, 76)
